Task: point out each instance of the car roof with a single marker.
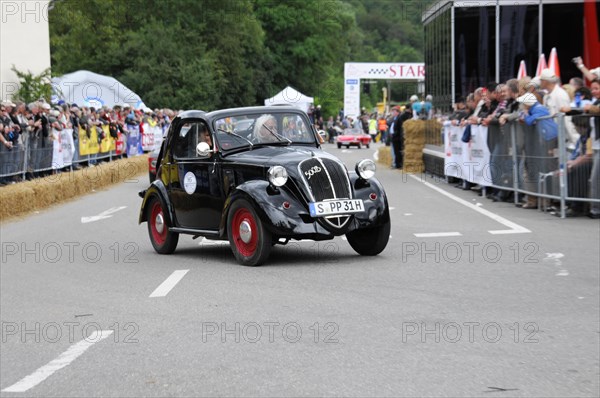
(199, 114)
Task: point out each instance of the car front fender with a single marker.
(268, 203)
(377, 212)
(157, 188)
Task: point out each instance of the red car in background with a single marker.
(353, 137)
(152, 158)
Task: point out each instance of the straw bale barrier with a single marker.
(415, 132)
(25, 197)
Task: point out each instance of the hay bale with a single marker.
(25, 197)
(415, 132)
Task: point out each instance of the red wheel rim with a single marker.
(158, 227)
(243, 218)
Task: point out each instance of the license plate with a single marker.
(334, 207)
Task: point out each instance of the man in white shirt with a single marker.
(557, 97)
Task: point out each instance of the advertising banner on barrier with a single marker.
(468, 161)
(147, 137)
(158, 136)
(88, 142)
(120, 144)
(152, 136)
(57, 156)
(68, 146)
(83, 142)
(134, 144)
(107, 140)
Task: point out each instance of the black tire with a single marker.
(370, 241)
(339, 145)
(359, 145)
(348, 146)
(367, 146)
(258, 247)
(163, 240)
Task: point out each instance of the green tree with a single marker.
(220, 53)
(32, 87)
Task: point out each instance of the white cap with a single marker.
(527, 99)
(46, 106)
(414, 98)
(429, 97)
(54, 113)
(548, 75)
(8, 103)
(536, 82)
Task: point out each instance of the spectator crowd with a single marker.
(35, 128)
(533, 106)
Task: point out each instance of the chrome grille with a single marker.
(326, 179)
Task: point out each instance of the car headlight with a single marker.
(278, 175)
(366, 169)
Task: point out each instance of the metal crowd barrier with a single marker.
(523, 162)
(34, 154)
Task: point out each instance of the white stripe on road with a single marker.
(514, 228)
(63, 360)
(169, 283)
(437, 234)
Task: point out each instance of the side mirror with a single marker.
(203, 150)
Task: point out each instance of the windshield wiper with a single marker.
(277, 135)
(237, 135)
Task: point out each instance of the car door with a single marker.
(196, 193)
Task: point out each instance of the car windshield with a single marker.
(353, 132)
(268, 129)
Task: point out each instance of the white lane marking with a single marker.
(169, 283)
(105, 214)
(376, 156)
(408, 214)
(514, 227)
(437, 234)
(344, 237)
(555, 259)
(63, 360)
(392, 208)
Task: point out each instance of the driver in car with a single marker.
(204, 136)
(265, 129)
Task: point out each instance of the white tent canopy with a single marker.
(291, 96)
(86, 88)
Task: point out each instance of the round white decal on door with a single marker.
(189, 182)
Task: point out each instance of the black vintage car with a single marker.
(258, 177)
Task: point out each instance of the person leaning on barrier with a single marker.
(594, 109)
(557, 97)
(547, 132)
(3, 136)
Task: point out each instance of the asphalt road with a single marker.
(458, 311)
